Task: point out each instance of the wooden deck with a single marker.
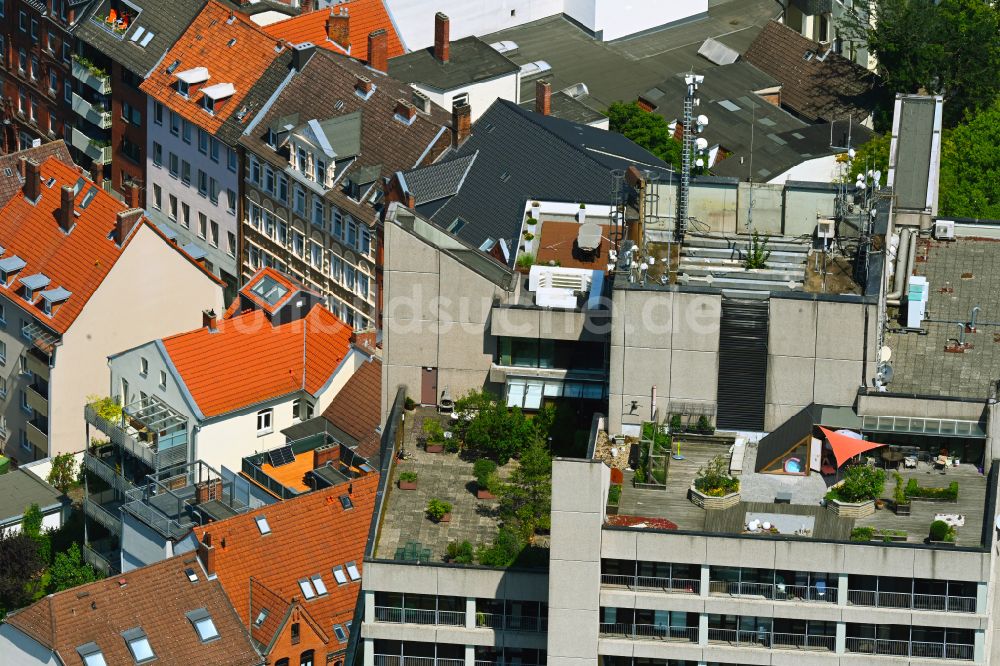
(827, 525)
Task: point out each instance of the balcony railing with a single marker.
(884, 646)
(94, 150)
(778, 592)
(650, 631)
(932, 602)
(98, 561)
(419, 616)
(396, 660)
(104, 472)
(93, 509)
(740, 637)
(94, 114)
(123, 438)
(803, 641)
(690, 585)
(38, 435)
(99, 81)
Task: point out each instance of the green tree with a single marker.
(63, 472)
(526, 500)
(69, 570)
(20, 567)
(948, 47)
(649, 130)
(496, 430)
(31, 526)
(970, 167)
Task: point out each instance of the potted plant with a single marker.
(407, 480)
(435, 436)
(485, 471)
(459, 553)
(714, 487)
(941, 533)
(704, 425)
(408, 404)
(675, 423)
(899, 498)
(438, 510)
(531, 222)
(855, 496)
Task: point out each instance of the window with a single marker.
(203, 624)
(22, 60)
(296, 637)
(254, 170)
(53, 81)
(264, 528)
(317, 213)
(213, 191)
(186, 172)
(157, 154)
(317, 581)
(157, 197)
(22, 21)
(316, 255)
(143, 366)
(25, 444)
(202, 141)
(352, 571)
(350, 277)
(264, 421)
(261, 617)
(338, 575)
(352, 233)
(182, 88)
(202, 225)
(300, 200)
(3, 394)
(157, 113)
(231, 243)
(268, 179)
(231, 159)
(91, 655)
(185, 215)
(336, 268)
(202, 183)
(3, 315)
(231, 200)
(307, 589)
(34, 68)
(138, 645)
(214, 238)
(338, 222)
(208, 104)
(172, 207)
(131, 115)
(163, 379)
(338, 629)
(187, 132)
(320, 174)
(175, 124)
(67, 89)
(306, 658)
(34, 30)
(283, 188)
(298, 243)
(365, 246)
(3, 353)
(214, 149)
(363, 285)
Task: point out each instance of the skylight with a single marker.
(338, 575)
(339, 631)
(307, 589)
(318, 583)
(352, 571)
(192, 576)
(261, 617)
(91, 655)
(262, 525)
(203, 624)
(269, 290)
(138, 645)
(345, 501)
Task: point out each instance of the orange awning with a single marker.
(845, 448)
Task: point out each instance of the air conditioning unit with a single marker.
(825, 228)
(944, 229)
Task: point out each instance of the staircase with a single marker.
(717, 261)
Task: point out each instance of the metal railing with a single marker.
(958, 651)
(94, 510)
(740, 637)
(144, 451)
(98, 561)
(511, 622)
(397, 660)
(933, 602)
(419, 616)
(650, 631)
(803, 641)
(136, 505)
(690, 585)
(779, 592)
(104, 472)
(878, 646)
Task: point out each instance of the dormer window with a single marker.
(212, 96)
(9, 266)
(52, 298)
(33, 283)
(320, 171)
(182, 88)
(190, 77)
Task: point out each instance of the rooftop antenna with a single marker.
(689, 133)
(751, 202)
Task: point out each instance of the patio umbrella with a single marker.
(846, 447)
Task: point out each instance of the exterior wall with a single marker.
(481, 94)
(436, 314)
(14, 420)
(158, 291)
(141, 544)
(125, 168)
(613, 19)
(821, 170)
(220, 256)
(18, 649)
(308, 640)
(52, 519)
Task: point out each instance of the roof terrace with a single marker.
(304, 465)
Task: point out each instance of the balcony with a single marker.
(98, 561)
(776, 592)
(92, 76)
(908, 601)
(93, 114)
(92, 149)
(512, 622)
(686, 585)
(38, 397)
(98, 506)
(38, 435)
(397, 660)
(649, 632)
(897, 648)
(37, 363)
(419, 616)
(776, 640)
(103, 471)
(153, 433)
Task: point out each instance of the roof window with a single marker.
(261, 617)
(192, 576)
(138, 645)
(307, 589)
(345, 502)
(203, 624)
(91, 655)
(352, 571)
(338, 575)
(340, 633)
(317, 581)
(262, 524)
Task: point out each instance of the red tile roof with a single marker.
(233, 49)
(291, 285)
(366, 16)
(156, 599)
(78, 261)
(356, 409)
(11, 181)
(308, 535)
(246, 360)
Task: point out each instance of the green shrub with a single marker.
(757, 253)
(460, 553)
(531, 221)
(408, 477)
(862, 533)
(525, 260)
(435, 433)
(504, 550)
(107, 408)
(484, 470)
(614, 495)
(942, 531)
(675, 423)
(640, 475)
(436, 509)
(861, 484)
(913, 489)
(408, 404)
(714, 480)
(703, 424)
(899, 494)
(528, 236)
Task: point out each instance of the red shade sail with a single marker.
(845, 448)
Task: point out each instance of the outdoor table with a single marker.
(892, 457)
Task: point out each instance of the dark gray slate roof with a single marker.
(568, 107)
(440, 180)
(19, 489)
(165, 19)
(269, 82)
(522, 156)
(471, 60)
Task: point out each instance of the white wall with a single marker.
(620, 18)
(50, 521)
(481, 95)
(20, 650)
(818, 170)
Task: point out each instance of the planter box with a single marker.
(902, 509)
(446, 518)
(483, 494)
(851, 509)
(407, 485)
(433, 448)
(894, 537)
(713, 503)
(939, 500)
(943, 544)
(611, 510)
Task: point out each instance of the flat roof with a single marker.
(961, 275)
(19, 489)
(470, 60)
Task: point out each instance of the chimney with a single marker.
(97, 173)
(324, 454)
(301, 53)
(125, 221)
(132, 194)
(208, 490)
(364, 339)
(442, 39)
(422, 102)
(66, 202)
(461, 123)
(338, 26)
(208, 320)
(405, 110)
(32, 180)
(206, 552)
(363, 86)
(378, 50)
(543, 98)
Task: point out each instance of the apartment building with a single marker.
(38, 71)
(173, 612)
(202, 96)
(345, 29)
(315, 166)
(75, 262)
(119, 44)
(829, 23)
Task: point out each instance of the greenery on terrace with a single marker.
(861, 483)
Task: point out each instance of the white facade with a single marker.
(610, 19)
(193, 189)
(817, 170)
(479, 95)
(19, 649)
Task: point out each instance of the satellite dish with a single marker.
(851, 153)
(701, 143)
(651, 260)
(878, 176)
(699, 162)
(703, 120)
(884, 354)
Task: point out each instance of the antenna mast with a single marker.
(689, 144)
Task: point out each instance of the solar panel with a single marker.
(281, 456)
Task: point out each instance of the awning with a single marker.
(846, 447)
